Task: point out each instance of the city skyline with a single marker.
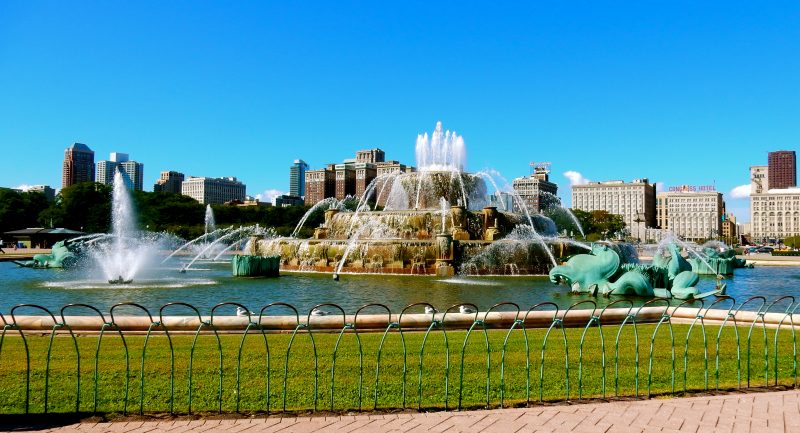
(570, 178)
(681, 94)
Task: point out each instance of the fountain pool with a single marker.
(213, 283)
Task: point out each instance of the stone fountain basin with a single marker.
(411, 322)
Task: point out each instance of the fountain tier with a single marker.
(437, 220)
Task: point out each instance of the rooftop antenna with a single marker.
(540, 167)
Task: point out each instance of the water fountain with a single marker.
(124, 256)
(210, 223)
(119, 257)
(429, 221)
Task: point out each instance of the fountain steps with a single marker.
(428, 271)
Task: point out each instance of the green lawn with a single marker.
(300, 394)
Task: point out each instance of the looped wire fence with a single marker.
(214, 366)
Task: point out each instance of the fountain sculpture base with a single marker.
(444, 269)
(120, 280)
(256, 266)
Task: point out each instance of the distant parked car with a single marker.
(767, 250)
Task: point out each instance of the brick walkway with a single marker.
(733, 413)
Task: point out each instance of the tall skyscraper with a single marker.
(132, 171)
(297, 178)
(78, 165)
(170, 181)
(782, 169)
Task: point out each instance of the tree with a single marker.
(164, 211)
(84, 206)
(607, 223)
(19, 210)
(599, 224)
(792, 242)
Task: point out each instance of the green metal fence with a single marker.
(479, 365)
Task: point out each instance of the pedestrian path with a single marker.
(777, 412)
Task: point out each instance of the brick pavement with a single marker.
(731, 413)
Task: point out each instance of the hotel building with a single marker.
(351, 177)
(635, 201)
(692, 213)
(320, 184)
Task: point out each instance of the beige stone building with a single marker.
(759, 179)
(211, 190)
(730, 230)
(691, 215)
(635, 201)
(774, 213)
(170, 181)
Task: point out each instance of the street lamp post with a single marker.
(639, 219)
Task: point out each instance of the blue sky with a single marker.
(679, 92)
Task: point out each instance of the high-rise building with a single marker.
(297, 178)
(634, 201)
(345, 180)
(133, 174)
(383, 172)
(759, 179)
(690, 213)
(534, 189)
(365, 174)
(502, 200)
(387, 167)
(118, 157)
(210, 190)
(48, 192)
(774, 199)
(320, 184)
(170, 181)
(78, 165)
(351, 177)
(287, 201)
(104, 173)
(132, 171)
(782, 169)
(729, 228)
(372, 156)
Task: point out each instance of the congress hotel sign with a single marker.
(693, 188)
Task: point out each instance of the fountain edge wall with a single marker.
(411, 322)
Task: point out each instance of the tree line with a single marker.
(87, 207)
